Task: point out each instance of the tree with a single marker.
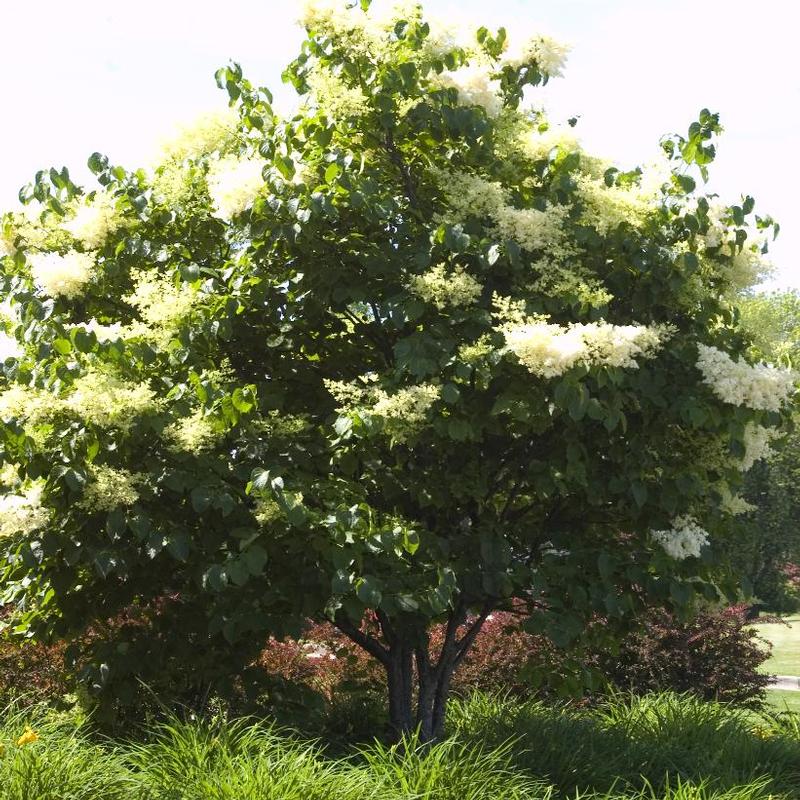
(770, 540)
(408, 352)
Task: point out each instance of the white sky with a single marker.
(113, 76)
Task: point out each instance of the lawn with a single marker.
(785, 659)
(659, 747)
(781, 700)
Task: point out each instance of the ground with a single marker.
(785, 658)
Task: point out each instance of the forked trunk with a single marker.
(418, 698)
(418, 683)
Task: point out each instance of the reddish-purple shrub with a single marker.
(715, 655)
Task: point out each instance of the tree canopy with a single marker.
(408, 352)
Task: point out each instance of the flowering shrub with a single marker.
(406, 353)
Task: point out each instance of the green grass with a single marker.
(785, 639)
(660, 747)
(781, 700)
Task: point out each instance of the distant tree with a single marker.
(771, 537)
(408, 351)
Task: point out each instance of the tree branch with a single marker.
(468, 638)
(363, 640)
(405, 173)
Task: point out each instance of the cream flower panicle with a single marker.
(107, 400)
(759, 386)
(193, 434)
(9, 347)
(549, 350)
(444, 288)
(109, 488)
(535, 230)
(331, 94)
(757, 441)
(23, 513)
(233, 185)
(62, 276)
(733, 504)
(468, 195)
(93, 220)
(549, 55)
(208, 133)
(475, 87)
(405, 411)
(686, 538)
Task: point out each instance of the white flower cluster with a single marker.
(533, 229)
(741, 268)
(28, 404)
(475, 88)
(538, 145)
(8, 475)
(442, 288)
(93, 220)
(347, 23)
(233, 185)
(549, 350)
(105, 333)
(404, 412)
(444, 37)
(109, 488)
(470, 195)
(733, 504)
(62, 276)
(192, 434)
(749, 266)
(760, 386)
(606, 207)
(162, 305)
(332, 95)
(22, 513)
(209, 133)
(717, 227)
(9, 347)
(685, 538)
(108, 401)
(6, 244)
(549, 55)
(757, 440)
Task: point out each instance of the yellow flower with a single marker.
(27, 737)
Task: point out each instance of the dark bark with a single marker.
(418, 686)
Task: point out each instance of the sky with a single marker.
(115, 77)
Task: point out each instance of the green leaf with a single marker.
(178, 546)
(242, 400)
(368, 591)
(407, 603)
(255, 558)
(450, 393)
(332, 172)
(639, 492)
(201, 499)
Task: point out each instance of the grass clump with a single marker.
(659, 747)
(48, 757)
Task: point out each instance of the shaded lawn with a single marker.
(780, 700)
(785, 639)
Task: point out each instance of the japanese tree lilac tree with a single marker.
(409, 354)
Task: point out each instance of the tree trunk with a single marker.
(412, 675)
(399, 679)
